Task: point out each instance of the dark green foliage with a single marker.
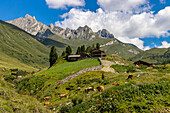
(78, 51)
(102, 76)
(83, 48)
(53, 56)
(65, 109)
(77, 100)
(10, 78)
(97, 46)
(68, 50)
(31, 85)
(63, 54)
(89, 48)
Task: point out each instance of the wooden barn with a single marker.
(97, 53)
(140, 63)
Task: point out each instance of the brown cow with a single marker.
(63, 95)
(47, 103)
(47, 98)
(130, 77)
(89, 89)
(100, 88)
(115, 84)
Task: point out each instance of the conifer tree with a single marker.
(53, 56)
(97, 46)
(78, 51)
(83, 48)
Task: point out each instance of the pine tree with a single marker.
(53, 56)
(83, 48)
(63, 54)
(89, 48)
(68, 50)
(78, 51)
(97, 46)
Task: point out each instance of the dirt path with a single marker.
(95, 68)
(106, 66)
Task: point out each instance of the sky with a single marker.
(144, 23)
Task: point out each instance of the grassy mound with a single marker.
(61, 71)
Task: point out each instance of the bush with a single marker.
(65, 109)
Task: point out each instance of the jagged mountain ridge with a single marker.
(32, 26)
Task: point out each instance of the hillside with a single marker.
(19, 49)
(151, 85)
(155, 55)
(109, 45)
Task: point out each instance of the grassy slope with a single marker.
(61, 71)
(17, 44)
(119, 48)
(155, 55)
(10, 99)
(43, 86)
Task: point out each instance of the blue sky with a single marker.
(143, 22)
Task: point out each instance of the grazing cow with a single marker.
(100, 88)
(63, 95)
(115, 84)
(47, 98)
(130, 77)
(78, 88)
(47, 103)
(89, 89)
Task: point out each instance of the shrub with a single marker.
(65, 109)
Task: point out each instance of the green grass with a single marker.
(63, 70)
(18, 49)
(10, 99)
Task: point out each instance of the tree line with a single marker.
(68, 51)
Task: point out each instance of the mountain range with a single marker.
(53, 35)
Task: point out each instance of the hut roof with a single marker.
(74, 56)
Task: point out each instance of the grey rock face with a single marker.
(104, 34)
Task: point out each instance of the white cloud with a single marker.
(116, 17)
(56, 4)
(164, 45)
(163, 1)
(123, 5)
(146, 48)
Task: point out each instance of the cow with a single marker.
(115, 84)
(100, 88)
(47, 103)
(47, 98)
(78, 88)
(89, 89)
(63, 95)
(130, 77)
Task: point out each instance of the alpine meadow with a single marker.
(82, 56)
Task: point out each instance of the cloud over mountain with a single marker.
(125, 26)
(56, 4)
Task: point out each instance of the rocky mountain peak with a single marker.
(51, 26)
(104, 34)
(32, 26)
